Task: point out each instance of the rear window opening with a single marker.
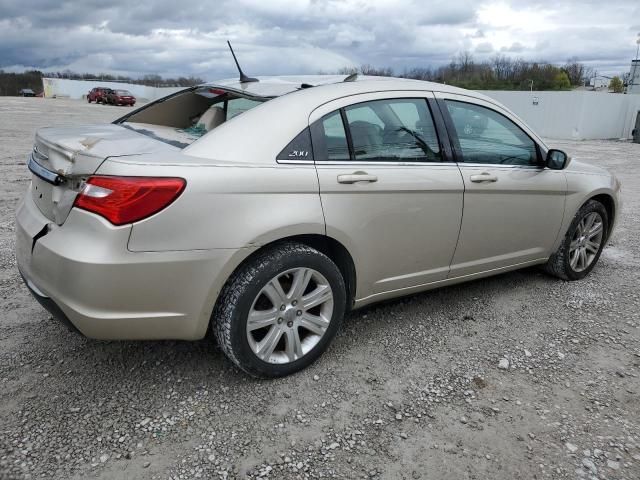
(183, 118)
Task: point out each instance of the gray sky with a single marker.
(174, 38)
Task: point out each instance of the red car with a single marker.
(98, 95)
(121, 97)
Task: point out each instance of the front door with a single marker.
(388, 192)
(513, 206)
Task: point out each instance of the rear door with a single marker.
(389, 190)
(513, 206)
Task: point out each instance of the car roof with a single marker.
(276, 86)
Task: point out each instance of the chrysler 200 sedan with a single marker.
(263, 211)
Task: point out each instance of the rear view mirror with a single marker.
(556, 159)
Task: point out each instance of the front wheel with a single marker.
(582, 245)
(280, 311)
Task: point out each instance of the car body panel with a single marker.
(585, 181)
(249, 205)
(390, 224)
(527, 208)
(75, 153)
(514, 219)
(418, 227)
(109, 292)
(392, 219)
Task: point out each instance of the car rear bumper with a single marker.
(83, 273)
(49, 305)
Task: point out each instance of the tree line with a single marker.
(11, 83)
(498, 73)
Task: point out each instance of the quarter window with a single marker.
(485, 136)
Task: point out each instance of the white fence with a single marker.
(573, 115)
(62, 87)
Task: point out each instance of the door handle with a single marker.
(483, 177)
(357, 177)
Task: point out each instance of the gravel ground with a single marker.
(516, 376)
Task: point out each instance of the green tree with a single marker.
(616, 85)
(561, 81)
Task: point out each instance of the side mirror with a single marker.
(556, 159)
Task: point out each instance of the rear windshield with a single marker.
(123, 92)
(183, 118)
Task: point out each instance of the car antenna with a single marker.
(243, 77)
(351, 78)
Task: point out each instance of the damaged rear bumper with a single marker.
(83, 273)
(49, 305)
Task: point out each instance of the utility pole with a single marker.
(632, 74)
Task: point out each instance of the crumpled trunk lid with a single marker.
(64, 157)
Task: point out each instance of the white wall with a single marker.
(573, 115)
(79, 88)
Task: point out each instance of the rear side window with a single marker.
(486, 136)
(394, 130)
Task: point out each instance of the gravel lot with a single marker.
(410, 389)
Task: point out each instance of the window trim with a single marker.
(318, 143)
(347, 132)
(455, 141)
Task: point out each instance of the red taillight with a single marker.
(124, 200)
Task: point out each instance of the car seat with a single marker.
(366, 138)
(212, 118)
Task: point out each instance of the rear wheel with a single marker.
(582, 245)
(280, 311)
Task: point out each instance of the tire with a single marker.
(244, 294)
(88, 99)
(560, 263)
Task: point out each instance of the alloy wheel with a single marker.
(586, 241)
(290, 315)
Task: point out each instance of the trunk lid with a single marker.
(63, 158)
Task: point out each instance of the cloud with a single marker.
(484, 47)
(306, 36)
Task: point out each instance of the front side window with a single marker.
(485, 136)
